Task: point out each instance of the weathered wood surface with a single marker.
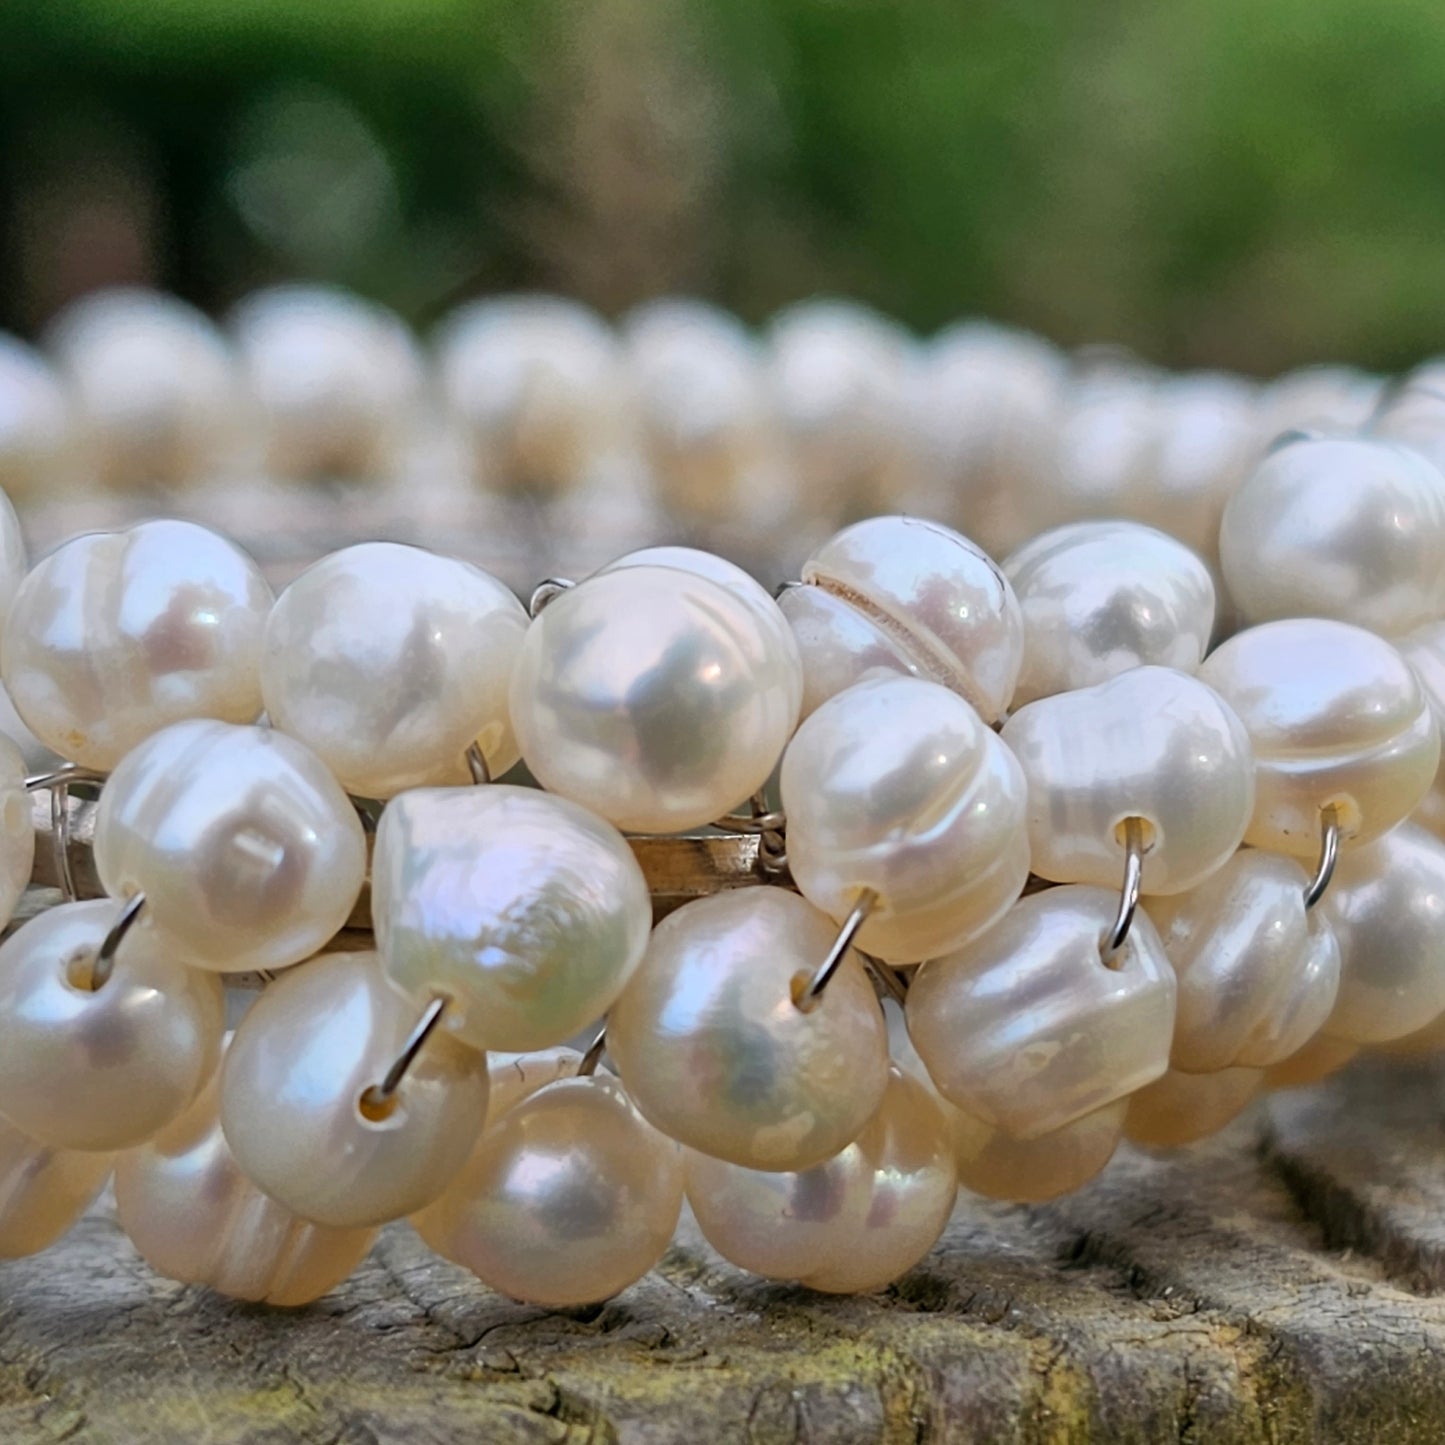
(1274, 1285)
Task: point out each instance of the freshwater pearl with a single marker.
(526, 911)
(389, 661)
(715, 1052)
(853, 1223)
(1257, 974)
(35, 426)
(293, 1106)
(17, 830)
(1414, 415)
(913, 597)
(898, 785)
(654, 696)
(1316, 398)
(43, 1191)
(249, 854)
(105, 1068)
(1319, 1058)
(195, 1217)
(1099, 598)
(568, 1198)
(996, 1164)
(1345, 527)
(1386, 905)
(13, 562)
(116, 634)
(1151, 743)
(1182, 1108)
(1027, 1029)
(333, 376)
(1337, 719)
(1424, 650)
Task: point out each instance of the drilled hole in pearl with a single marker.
(79, 970)
(375, 1107)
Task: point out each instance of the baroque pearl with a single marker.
(43, 1191)
(195, 1217)
(898, 786)
(17, 830)
(389, 661)
(249, 854)
(1151, 743)
(1319, 1058)
(856, 1221)
(711, 1045)
(1257, 974)
(13, 562)
(996, 1164)
(35, 427)
(568, 1198)
(102, 1068)
(116, 634)
(296, 1107)
(1424, 650)
(913, 597)
(1337, 719)
(1028, 1029)
(526, 911)
(1099, 598)
(1182, 1108)
(1345, 527)
(654, 696)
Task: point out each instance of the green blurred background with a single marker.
(1222, 182)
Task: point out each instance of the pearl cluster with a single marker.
(1077, 822)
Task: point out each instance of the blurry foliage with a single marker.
(1210, 181)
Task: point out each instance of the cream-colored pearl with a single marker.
(568, 1198)
(1319, 1058)
(1183, 1108)
(1386, 905)
(116, 634)
(1028, 1029)
(43, 1191)
(195, 1217)
(103, 1068)
(296, 1107)
(994, 1163)
(1316, 398)
(898, 786)
(913, 597)
(1424, 650)
(711, 1045)
(654, 696)
(1345, 527)
(389, 661)
(526, 911)
(333, 376)
(1337, 719)
(1151, 743)
(35, 429)
(855, 1222)
(248, 852)
(13, 561)
(1257, 974)
(17, 830)
(1099, 598)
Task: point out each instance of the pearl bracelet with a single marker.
(926, 873)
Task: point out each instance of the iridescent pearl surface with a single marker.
(35, 427)
(1337, 719)
(1319, 1058)
(996, 1164)
(1424, 650)
(1152, 743)
(248, 852)
(116, 634)
(715, 1052)
(898, 785)
(43, 1191)
(1182, 1108)
(17, 831)
(13, 562)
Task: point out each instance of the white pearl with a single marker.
(43, 1191)
(13, 562)
(1424, 650)
(102, 1068)
(568, 1198)
(296, 1103)
(1319, 1058)
(717, 1054)
(389, 661)
(527, 912)
(1182, 1108)
(1257, 974)
(853, 1223)
(116, 634)
(35, 427)
(996, 1164)
(1101, 597)
(195, 1217)
(898, 786)
(249, 854)
(1337, 719)
(913, 597)
(1316, 398)
(1345, 527)
(1028, 1029)
(1151, 743)
(1386, 905)
(1415, 413)
(654, 696)
(17, 830)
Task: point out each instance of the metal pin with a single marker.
(379, 1096)
(546, 591)
(893, 981)
(755, 822)
(477, 764)
(104, 964)
(1129, 893)
(1329, 855)
(60, 837)
(593, 1056)
(865, 903)
(62, 777)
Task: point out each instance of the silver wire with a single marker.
(477, 765)
(1129, 892)
(1329, 856)
(549, 589)
(110, 945)
(593, 1057)
(407, 1056)
(865, 903)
